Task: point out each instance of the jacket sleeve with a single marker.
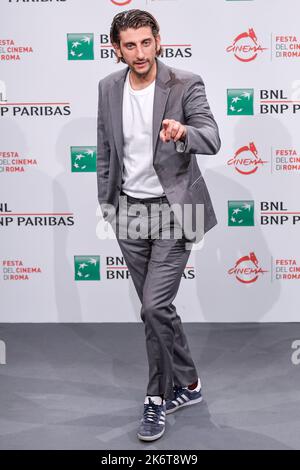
(103, 151)
(202, 130)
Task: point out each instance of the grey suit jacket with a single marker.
(178, 95)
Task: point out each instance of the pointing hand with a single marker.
(172, 129)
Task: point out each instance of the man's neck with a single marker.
(138, 82)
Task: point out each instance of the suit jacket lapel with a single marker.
(161, 94)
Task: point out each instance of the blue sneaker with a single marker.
(153, 421)
(184, 397)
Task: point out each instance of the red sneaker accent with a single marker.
(193, 386)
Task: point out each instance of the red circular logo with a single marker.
(120, 4)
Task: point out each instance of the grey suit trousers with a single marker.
(156, 261)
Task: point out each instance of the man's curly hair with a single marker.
(132, 19)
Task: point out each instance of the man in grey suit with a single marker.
(152, 120)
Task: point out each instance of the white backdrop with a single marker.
(54, 268)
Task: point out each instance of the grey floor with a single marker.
(81, 386)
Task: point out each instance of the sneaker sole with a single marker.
(188, 403)
(150, 438)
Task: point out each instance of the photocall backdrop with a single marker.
(54, 265)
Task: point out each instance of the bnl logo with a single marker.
(2, 353)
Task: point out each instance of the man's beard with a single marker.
(143, 72)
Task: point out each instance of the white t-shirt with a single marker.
(139, 177)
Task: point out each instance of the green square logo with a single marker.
(83, 159)
(87, 268)
(240, 101)
(240, 213)
(80, 46)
